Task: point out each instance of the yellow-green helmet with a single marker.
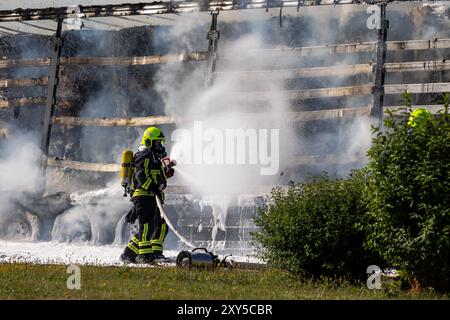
(151, 134)
(418, 116)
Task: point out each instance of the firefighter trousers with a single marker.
(152, 229)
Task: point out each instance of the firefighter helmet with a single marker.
(418, 116)
(152, 134)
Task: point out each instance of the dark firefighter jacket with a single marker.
(149, 178)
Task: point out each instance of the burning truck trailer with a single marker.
(83, 218)
(318, 74)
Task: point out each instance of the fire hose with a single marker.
(201, 257)
(169, 223)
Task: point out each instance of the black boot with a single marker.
(159, 257)
(128, 256)
(147, 258)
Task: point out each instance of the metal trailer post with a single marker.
(213, 37)
(51, 99)
(378, 94)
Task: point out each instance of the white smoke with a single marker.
(217, 108)
(224, 105)
(19, 164)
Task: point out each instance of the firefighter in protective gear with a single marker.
(418, 116)
(149, 179)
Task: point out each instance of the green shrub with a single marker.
(407, 194)
(310, 228)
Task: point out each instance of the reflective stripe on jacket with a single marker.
(149, 177)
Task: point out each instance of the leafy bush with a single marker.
(407, 194)
(310, 228)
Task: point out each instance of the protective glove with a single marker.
(170, 172)
(131, 216)
(168, 165)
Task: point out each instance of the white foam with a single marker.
(54, 252)
(62, 253)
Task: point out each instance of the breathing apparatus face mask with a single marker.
(159, 148)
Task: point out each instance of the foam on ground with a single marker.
(54, 252)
